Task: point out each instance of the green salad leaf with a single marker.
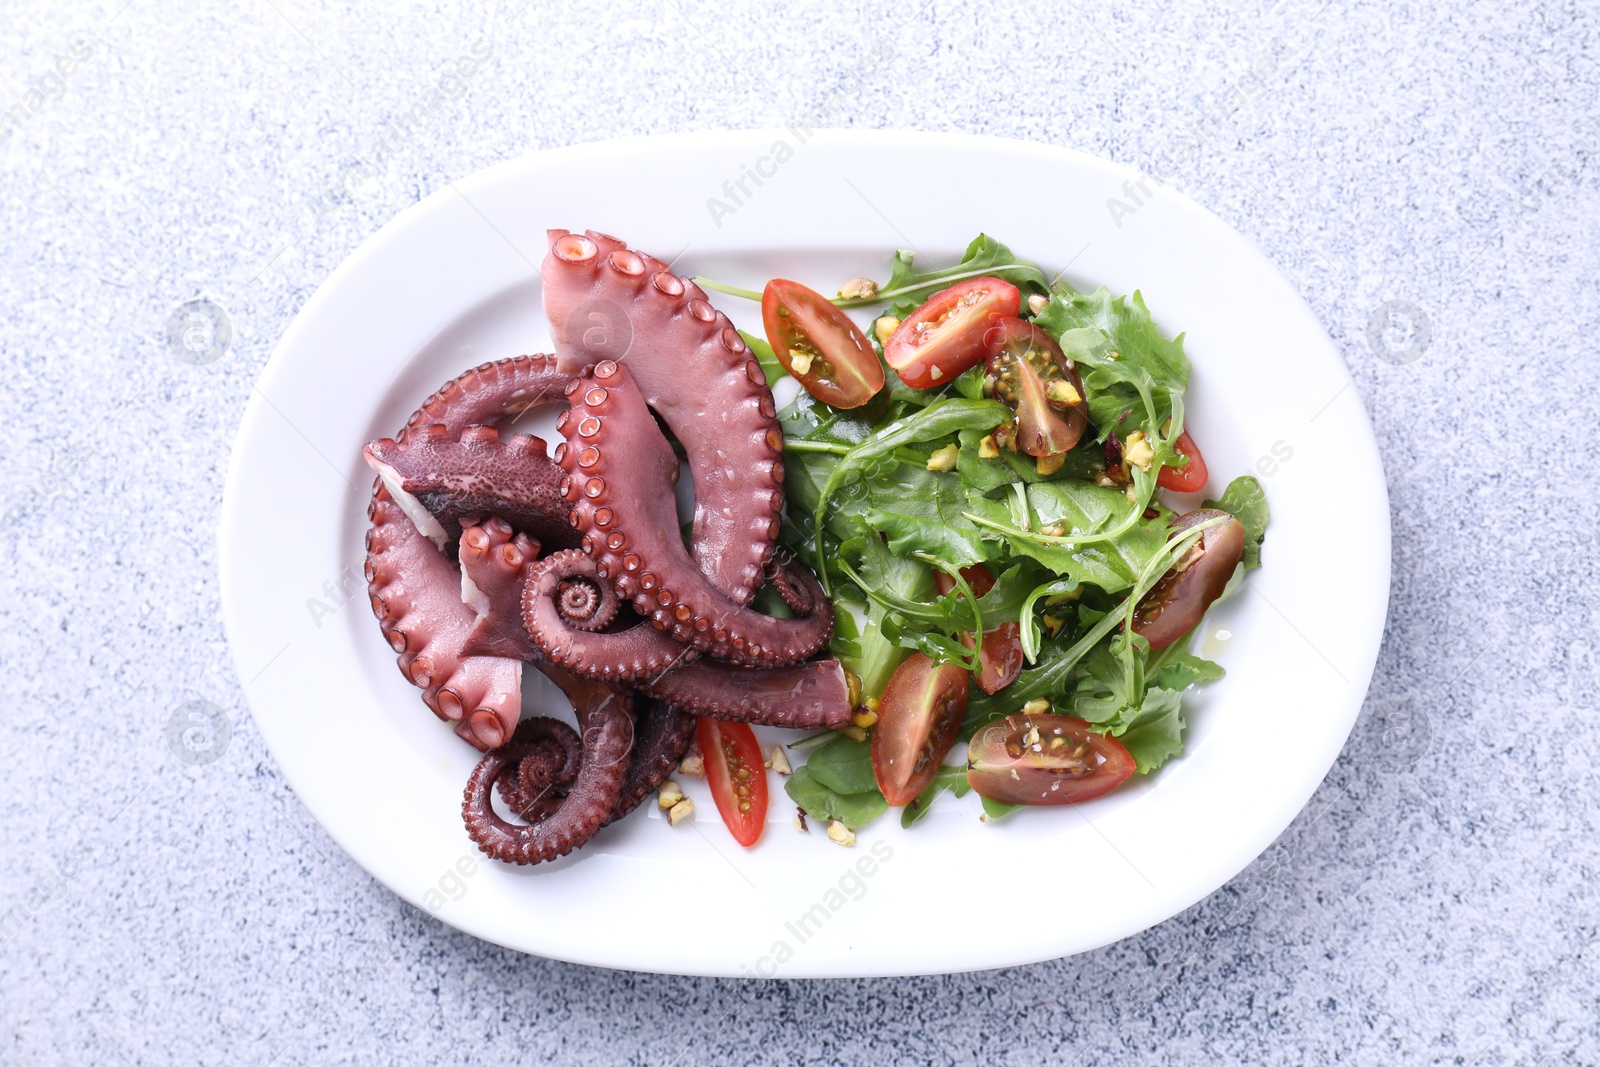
(952, 780)
(908, 287)
(855, 810)
(1246, 501)
(763, 353)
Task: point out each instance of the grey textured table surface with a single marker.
(1436, 901)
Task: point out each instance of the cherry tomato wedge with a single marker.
(1192, 476)
(918, 719)
(1045, 759)
(944, 336)
(1174, 605)
(819, 345)
(1000, 658)
(738, 776)
(1030, 376)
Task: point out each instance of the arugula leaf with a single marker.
(1081, 509)
(920, 511)
(1246, 501)
(948, 780)
(907, 287)
(1156, 733)
(855, 810)
(1179, 670)
(844, 766)
(763, 353)
(996, 809)
(1121, 356)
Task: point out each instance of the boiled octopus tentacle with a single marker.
(807, 696)
(661, 736)
(416, 595)
(628, 520)
(414, 588)
(542, 761)
(605, 302)
(472, 474)
(812, 695)
(490, 392)
(605, 720)
(640, 652)
(494, 562)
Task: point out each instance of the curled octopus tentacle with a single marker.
(605, 720)
(628, 519)
(541, 763)
(451, 477)
(414, 588)
(696, 372)
(572, 644)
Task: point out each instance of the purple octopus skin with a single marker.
(806, 695)
(606, 723)
(661, 737)
(627, 516)
(414, 587)
(416, 594)
(697, 373)
(475, 473)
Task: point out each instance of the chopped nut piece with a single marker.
(779, 761)
(1055, 529)
(989, 382)
(1006, 434)
(1063, 598)
(800, 361)
(864, 718)
(1137, 450)
(1037, 303)
(694, 765)
(935, 372)
(1053, 624)
(841, 834)
(871, 703)
(854, 733)
(859, 288)
(1045, 466)
(668, 795)
(680, 811)
(944, 459)
(852, 686)
(1061, 391)
(987, 449)
(800, 820)
(885, 327)
(1031, 737)
(1037, 706)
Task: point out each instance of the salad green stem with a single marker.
(882, 296)
(796, 444)
(731, 290)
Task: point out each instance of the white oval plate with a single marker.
(452, 282)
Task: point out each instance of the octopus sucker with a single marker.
(635, 498)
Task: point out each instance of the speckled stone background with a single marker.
(1424, 173)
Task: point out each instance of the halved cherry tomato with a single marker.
(1032, 378)
(944, 336)
(1174, 605)
(738, 776)
(1189, 478)
(819, 345)
(1000, 658)
(918, 719)
(1045, 759)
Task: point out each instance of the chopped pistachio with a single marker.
(987, 449)
(694, 765)
(859, 288)
(779, 761)
(680, 811)
(864, 718)
(1037, 303)
(854, 733)
(800, 361)
(668, 795)
(944, 459)
(1037, 706)
(1045, 466)
(841, 834)
(852, 686)
(1137, 450)
(1061, 391)
(885, 327)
